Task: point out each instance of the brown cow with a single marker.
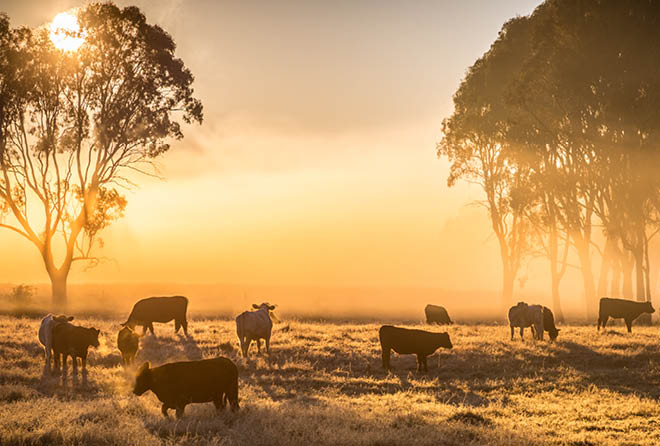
(405, 341)
(72, 340)
(179, 383)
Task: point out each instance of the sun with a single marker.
(66, 33)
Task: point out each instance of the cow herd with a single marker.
(215, 380)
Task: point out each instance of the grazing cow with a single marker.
(621, 308)
(436, 314)
(549, 324)
(255, 326)
(408, 342)
(159, 309)
(128, 342)
(71, 340)
(180, 383)
(523, 316)
(46, 334)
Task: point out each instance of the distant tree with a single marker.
(77, 123)
(475, 142)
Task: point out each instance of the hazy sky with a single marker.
(316, 161)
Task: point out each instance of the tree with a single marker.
(80, 124)
(475, 141)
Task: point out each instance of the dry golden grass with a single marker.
(323, 384)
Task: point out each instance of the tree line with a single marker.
(559, 124)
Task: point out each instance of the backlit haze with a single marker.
(315, 173)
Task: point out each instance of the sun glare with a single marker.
(65, 32)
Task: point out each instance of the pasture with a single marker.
(324, 385)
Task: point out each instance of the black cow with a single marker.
(128, 343)
(72, 340)
(549, 324)
(159, 309)
(180, 383)
(437, 314)
(621, 308)
(405, 341)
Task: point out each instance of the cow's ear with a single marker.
(271, 307)
(255, 306)
(558, 330)
(70, 318)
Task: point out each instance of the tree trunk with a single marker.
(58, 287)
(628, 263)
(587, 276)
(643, 319)
(617, 270)
(605, 266)
(555, 275)
(508, 282)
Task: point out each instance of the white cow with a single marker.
(46, 334)
(523, 315)
(255, 326)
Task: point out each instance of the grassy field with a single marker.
(323, 384)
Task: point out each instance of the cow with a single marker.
(159, 309)
(46, 334)
(523, 316)
(405, 341)
(621, 308)
(255, 326)
(437, 314)
(72, 340)
(180, 383)
(128, 342)
(549, 324)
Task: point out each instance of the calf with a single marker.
(436, 314)
(46, 334)
(254, 326)
(71, 340)
(621, 308)
(180, 383)
(128, 343)
(407, 342)
(523, 316)
(159, 309)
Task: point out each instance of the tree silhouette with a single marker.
(77, 123)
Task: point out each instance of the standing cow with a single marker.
(128, 342)
(523, 316)
(405, 341)
(159, 309)
(621, 308)
(255, 326)
(74, 341)
(46, 334)
(437, 314)
(180, 383)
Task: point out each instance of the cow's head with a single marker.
(62, 318)
(444, 341)
(143, 379)
(93, 336)
(553, 333)
(265, 305)
(649, 308)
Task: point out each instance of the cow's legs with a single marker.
(184, 324)
(421, 362)
(605, 318)
(220, 403)
(177, 325)
(522, 330)
(144, 329)
(259, 346)
(163, 410)
(56, 363)
(629, 325)
(151, 328)
(268, 344)
(64, 366)
(74, 364)
(83, 362)
(386, 357)
(512, 330)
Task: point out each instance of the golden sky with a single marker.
(316, 162)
